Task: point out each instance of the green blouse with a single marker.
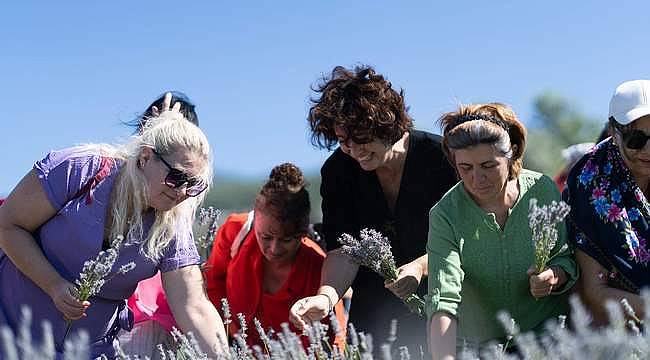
(477, 269)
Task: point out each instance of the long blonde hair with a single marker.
(165, 134)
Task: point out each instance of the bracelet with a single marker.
(329, 301)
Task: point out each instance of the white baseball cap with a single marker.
(631, 100)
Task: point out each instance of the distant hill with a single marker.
(236, 194)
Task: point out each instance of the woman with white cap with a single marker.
(608, 192)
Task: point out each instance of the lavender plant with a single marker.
(21, 346)
(373, 250)
(204, 229)
(581, 342)
(96, 272)
(227, 317)
(543, 223)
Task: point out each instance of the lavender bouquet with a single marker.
(95, 274)
(543, 223)
(204, 228)
(372, 250)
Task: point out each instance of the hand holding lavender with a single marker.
(373, 250)
(543, 223)
(95, 274)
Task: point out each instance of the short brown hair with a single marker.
(476, 124)
(285, 198)
(362, 103)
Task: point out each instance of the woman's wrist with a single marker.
(330, 305)
(331, 295)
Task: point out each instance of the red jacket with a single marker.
(239, 279)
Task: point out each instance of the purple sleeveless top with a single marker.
(74, 235)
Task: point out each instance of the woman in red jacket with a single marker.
(263, 262)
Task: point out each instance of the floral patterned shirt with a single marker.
(609, 216)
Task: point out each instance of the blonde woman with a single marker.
(75, 201)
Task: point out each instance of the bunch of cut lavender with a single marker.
(543, 223)
(95, 274)
(372, 250)
(204, 228)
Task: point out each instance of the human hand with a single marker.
(64, 297)
(309, 309)
(408, 279)
(542, 284)
(167, 100)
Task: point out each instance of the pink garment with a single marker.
(149, 302)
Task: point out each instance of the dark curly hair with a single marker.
(285, 198)
(362, 103)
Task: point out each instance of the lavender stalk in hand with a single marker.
(95, 274)
(543, 223)
(373, 250)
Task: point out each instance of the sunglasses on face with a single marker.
(634, 139)
(176, 178)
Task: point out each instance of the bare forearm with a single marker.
(597, 298)
(204, 322)
(443, 336)
(423, 263)
(24, 253)
(337, 275)
(596, 291)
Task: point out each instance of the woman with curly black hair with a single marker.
(384, 175)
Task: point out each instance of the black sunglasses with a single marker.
(634, 139)
(176, 178)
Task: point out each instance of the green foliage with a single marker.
(238, 194)
(556, 124)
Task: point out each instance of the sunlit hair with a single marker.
(166, 134)
(285, 198)
(494, 124)
(362, 103)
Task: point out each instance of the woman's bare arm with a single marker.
(595, 291)
(24, 211)
(193, 310)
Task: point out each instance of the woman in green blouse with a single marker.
(480, 250)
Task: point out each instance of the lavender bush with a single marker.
(620, 340)
(372, 250)
(543, 222)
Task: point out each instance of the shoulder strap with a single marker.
(243, 233)
(104, 170)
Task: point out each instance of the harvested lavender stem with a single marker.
(373, 250)
(97, 272)
(543, 222)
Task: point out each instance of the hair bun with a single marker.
(287, 176)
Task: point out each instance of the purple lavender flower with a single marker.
(373, 251)
(543, 223)
(205, 228)
(96, 272)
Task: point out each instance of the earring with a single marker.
(140, 163)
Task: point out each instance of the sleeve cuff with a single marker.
(434, 303)
(571, 271)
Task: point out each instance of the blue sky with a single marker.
(71, 72)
